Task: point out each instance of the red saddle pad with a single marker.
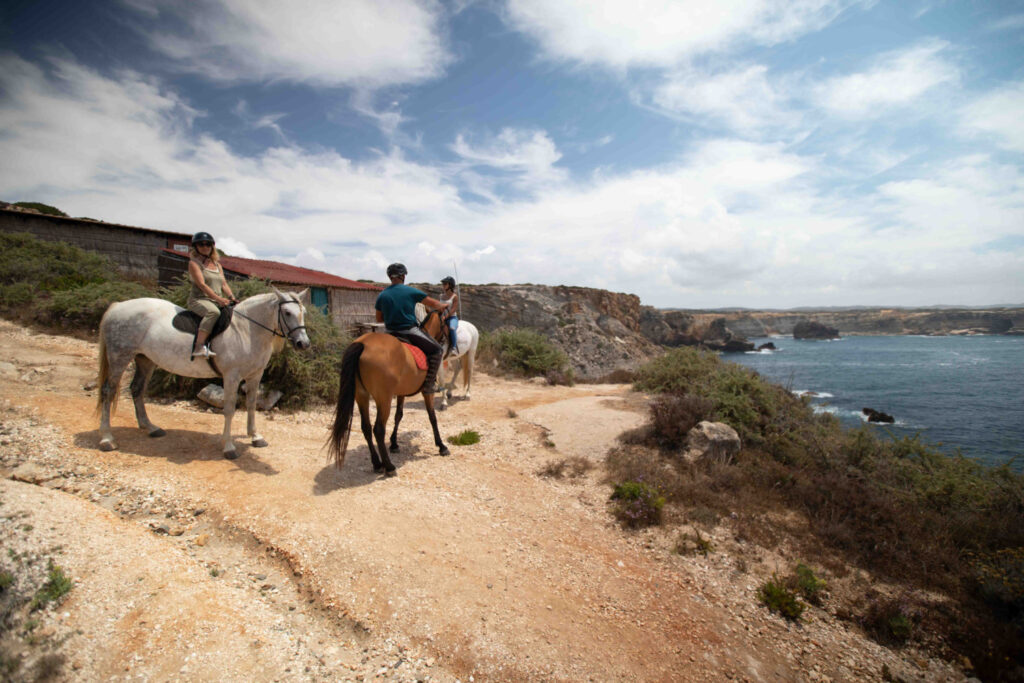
(421, 358)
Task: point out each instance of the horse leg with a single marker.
(230, 398)
(468, 372)
(252, 392)
(108, 395)
(398, 418)
(143, 371)
(428, 401)
(363, 401)
(380, 431)
(442, 384)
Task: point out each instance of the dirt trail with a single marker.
(279, 566)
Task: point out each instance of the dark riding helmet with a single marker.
(202, 237)
(450, 281)
(397, 270)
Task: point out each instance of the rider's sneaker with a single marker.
(204, 352)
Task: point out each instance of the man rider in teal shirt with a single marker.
(396, 308)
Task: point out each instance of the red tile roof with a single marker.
(282, 272)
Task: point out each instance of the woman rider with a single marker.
(450, 298)
(210, 290)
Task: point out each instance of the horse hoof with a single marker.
(443, 406)
(444, 451)
(107, 445)
(394, 448)
(260, 443)
(391, 473)
(230, 455)
(378, 469)
(157, 433)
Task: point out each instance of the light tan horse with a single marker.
(380, 366)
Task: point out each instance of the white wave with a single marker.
(812, 394)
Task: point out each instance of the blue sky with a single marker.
(771, 153)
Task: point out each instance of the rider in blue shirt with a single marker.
(396, 308)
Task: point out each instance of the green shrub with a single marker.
(636, 504)
(809, 585)
(83, 307)
(41, 208)
(774, 595)
(6, 579)
(524, 352)
(56, 587)
(50, 266)
(17, 295)
(466, 437)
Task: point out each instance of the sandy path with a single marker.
(469, 565)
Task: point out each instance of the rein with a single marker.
(444, 328)
(280, 321)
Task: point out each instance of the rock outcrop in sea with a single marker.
(812, 329)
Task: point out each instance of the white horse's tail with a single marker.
(104, 372)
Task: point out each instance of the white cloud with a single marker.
(741, 99)
(896, 79)
(626, 33)
(529, 155)
(732, 222)
(998, 114)
(324, 42)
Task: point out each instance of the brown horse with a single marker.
(380, 366)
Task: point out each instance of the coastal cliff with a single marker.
(871, 321)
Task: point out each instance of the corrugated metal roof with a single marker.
(282, 272)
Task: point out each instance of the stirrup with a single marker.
(204, 351)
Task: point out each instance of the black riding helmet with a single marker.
(450, 281)
(202, 237)
(397, 270)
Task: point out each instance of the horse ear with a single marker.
(277, 292)
(305, 297)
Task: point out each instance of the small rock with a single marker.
(202, 539)
(31, 473)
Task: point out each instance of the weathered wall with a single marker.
(134, 250)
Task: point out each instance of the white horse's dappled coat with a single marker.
(141, 330)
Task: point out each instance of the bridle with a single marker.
(443, 327)
(281, 324)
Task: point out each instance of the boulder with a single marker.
(718, 337)
(811, 329)
(878, 416)
(767, 346)
(712, 442)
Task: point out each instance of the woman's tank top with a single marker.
(214, 280)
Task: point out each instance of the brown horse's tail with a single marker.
(104, 373)
(338, 441)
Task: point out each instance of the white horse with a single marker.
(468, 338)
(141, 330)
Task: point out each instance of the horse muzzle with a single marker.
(300, 340)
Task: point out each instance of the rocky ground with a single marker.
(277, 566)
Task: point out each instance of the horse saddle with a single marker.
(187, 321)
(418, 356)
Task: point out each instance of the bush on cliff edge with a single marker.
(899, 508)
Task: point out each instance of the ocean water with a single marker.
(963, 393)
